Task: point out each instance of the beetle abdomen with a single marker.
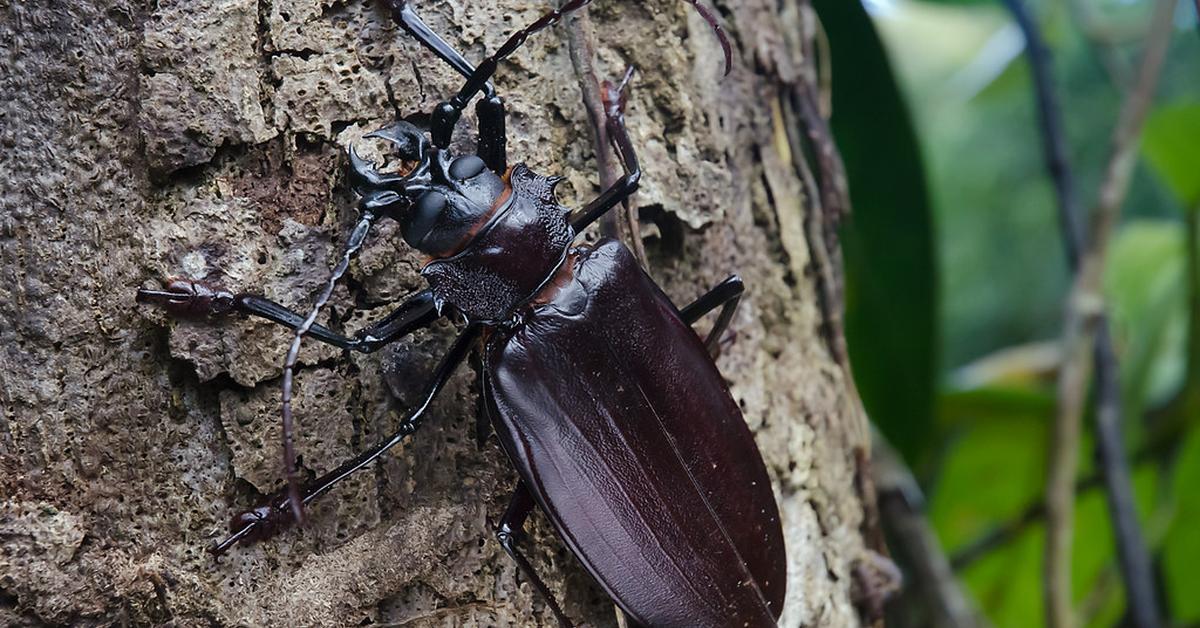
(620, 424)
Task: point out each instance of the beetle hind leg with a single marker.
(725, 295)
(510, 531)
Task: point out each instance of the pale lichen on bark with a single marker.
(205, 140)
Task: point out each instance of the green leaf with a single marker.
(888, 242)
(991, 474)
(1145, 285)
(1170, 142)
(961, 1)
(1181, 549)
(965, 408)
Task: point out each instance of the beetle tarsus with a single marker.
(614, 98)
(187, 298)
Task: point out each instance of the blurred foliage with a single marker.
(1183, 542)
(1171, 140)
(992, 297)
(1148, 308)
(887, 242)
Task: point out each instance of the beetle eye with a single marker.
(466, 167)
(422, 216)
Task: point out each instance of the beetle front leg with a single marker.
(185, 298)
(275, 513)
(727, 295)
(492, 145)
(510, 531)
(447, 113)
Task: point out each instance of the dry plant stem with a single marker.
(623, 223)
(828, 199)
(1131, 548)
(1064, 457)
(1083, 318)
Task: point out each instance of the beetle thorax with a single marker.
(511, 257)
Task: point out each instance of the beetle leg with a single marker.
(447, 113)
(490, 111)
(623, 188)
(259, 523)
(180, 299)
(492, 145)
(404, 15)
(510, 531)
(727, 294)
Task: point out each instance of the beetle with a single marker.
(606, 401)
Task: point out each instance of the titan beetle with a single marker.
(604, 398)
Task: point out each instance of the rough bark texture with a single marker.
(204, 139)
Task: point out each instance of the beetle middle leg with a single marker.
(623, 188)
(275, 513)
(726, 295)
(510, 531)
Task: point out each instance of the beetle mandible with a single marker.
(649, 475)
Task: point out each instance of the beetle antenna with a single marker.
(717, 30)
(357, 237)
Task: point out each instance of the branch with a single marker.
(1131, 549)
(1084, 322)
(916, 544)
(1054, 142)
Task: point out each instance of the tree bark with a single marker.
(205, 140)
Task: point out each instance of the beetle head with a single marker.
(439, 201)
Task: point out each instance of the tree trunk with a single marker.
(206, 140)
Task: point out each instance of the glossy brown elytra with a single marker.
(649, 474)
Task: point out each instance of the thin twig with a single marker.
(1083, 320)
(1054, 138)
(1131, 549)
